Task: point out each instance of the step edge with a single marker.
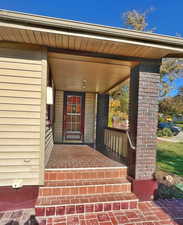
(78, 186)
(93, 194)
(85, 203)
(86, 168)
(123, 177)
(88, 213)
(94, 179)
(99, 193)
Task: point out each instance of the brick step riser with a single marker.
(48, 211)
(85, 174)
(84, 190)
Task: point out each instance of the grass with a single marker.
(180, 125)
(170, 157)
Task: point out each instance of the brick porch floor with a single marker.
(78, 156)
(162, 212)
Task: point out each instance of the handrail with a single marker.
(117, 129)
(130, 141)
(115, 141)
(123, 130)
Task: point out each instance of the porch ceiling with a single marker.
(98, 74)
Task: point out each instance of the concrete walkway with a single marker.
(177, 138)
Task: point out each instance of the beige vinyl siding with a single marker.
(89, 117)
(58, 123)
(22, 114)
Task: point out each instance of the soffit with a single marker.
(78, 41)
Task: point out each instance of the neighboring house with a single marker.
(80, 63)
(178, 118)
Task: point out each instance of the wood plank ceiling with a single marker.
(81, 73)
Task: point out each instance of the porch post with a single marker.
(143, 112)
(102, 119)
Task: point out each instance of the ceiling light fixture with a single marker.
(84, 84)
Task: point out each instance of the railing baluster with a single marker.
(112, 140)
(115, 140)
(113, 144)
(117, 144)
(120, 145)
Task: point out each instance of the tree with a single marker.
(137, 20)
(122, 94)
(171, 105)
(169, 71)
(171, 68)
(180, 91)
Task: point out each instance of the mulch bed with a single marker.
(168, 186)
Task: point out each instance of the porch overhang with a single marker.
(85, 37)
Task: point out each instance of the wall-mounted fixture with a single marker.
(49, 95)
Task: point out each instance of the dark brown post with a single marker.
(143, 114)
(102, 119)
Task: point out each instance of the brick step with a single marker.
(85, 182)
(85, 174)
(65, 188)
(56, 206)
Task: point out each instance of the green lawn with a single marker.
(170, 157)
(180, 125)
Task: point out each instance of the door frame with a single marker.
(82, 94)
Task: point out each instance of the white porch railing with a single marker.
(116, 140)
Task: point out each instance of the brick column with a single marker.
(143, 114)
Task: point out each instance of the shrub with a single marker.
(167, 132)
(160, 133)
(161, 119)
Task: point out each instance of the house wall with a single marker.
(22, 114)
(89, 117)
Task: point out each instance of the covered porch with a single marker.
(81, 84)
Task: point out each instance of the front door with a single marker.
(73, 128)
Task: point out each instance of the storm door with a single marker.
(73, 116)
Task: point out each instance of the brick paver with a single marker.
(162, 212)
(78, 156)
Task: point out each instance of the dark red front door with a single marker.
(73, 116)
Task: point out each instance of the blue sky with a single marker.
(167, 16)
